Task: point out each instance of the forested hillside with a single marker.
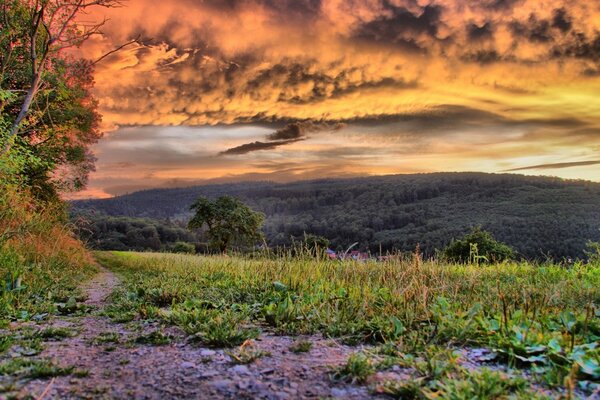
(538, 216)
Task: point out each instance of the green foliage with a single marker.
(49, 153)
(155, 338)
(476, 247)
(312, 245)
(30, 368)
(485, 384)
(301, 346)
(357, 369)
(228, 221)
(183, 248)
(102, 232)
(539, 317)
(538, 217)
(247, 354)
(593, 252)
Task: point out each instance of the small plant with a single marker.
(357, 369)
(301, 346)
(28, 368)
(224, 331)
(155, 338)
(55, 333)
(484, 384)
(107, 337)
(247, 354)
(410, 389)
(81, 373)
(5, 343)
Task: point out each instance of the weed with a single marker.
(107, 337)
(301, 346)
(154, 338)
(224, 331)
(55, 333)
(247, 354)
(29, 368)
(357, 369)
(81, 373)
(410, 389)
(484, 384)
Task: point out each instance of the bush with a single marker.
(183, 248)
(478, 246)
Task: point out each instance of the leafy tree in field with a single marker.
(228, 221)
(48, 116)
(478, 246)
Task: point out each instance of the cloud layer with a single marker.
(387, 85)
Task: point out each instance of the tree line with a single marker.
(538, 217)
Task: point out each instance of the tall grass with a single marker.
(41, 262)
(328, 295)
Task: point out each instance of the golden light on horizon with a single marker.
(433, 85)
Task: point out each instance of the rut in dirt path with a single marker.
(115, 366)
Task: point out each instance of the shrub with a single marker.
(478, 246)
(183, 248)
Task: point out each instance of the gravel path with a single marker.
(126, 370)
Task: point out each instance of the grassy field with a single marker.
(543, 319)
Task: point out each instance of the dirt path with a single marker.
(111, 365)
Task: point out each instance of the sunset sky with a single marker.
(228, 90)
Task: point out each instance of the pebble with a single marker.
(267, 371)
(207, 353)
(209, 374)
(187, 364)
(335, 392)
(222, 384)
(240, 369)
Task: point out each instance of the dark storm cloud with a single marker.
(556, 165)
(296, 130)
(562, 20)
(255, 146)
(483, 32)
(401, 26)
(291, 133)
(534, 29)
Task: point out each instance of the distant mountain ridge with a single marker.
(538, 216)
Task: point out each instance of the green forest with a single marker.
(539, 217)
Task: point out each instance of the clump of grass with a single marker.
(107, 337)
(357, 369)
(409, 389)
(5, 343)
(484, 384)
(301, 346)
(155, 338)
(81, 373)
(30, 368)
(55, 333)
(224, 331)
(247, 354)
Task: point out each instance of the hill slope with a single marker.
(538, 216)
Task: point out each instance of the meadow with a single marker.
(538, 325)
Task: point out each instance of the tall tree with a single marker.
(48, 113)
(228, 221)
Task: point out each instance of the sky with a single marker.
(282, 90)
